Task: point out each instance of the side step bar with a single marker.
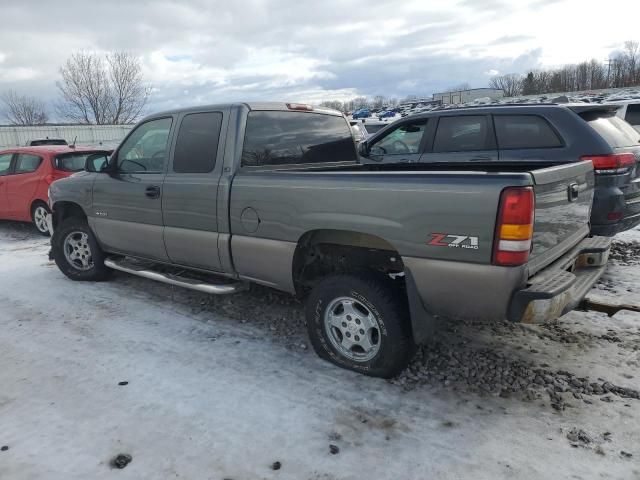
(215, 289)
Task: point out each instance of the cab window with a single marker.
(145, 150)
(197, 143)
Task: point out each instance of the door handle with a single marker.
(480, 158)
(152, 191)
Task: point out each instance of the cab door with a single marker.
(189, 199)
(127, 200)
(5, 169)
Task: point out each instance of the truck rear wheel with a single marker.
(77, 253)
(361, 324)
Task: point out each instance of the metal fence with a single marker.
(93, 135)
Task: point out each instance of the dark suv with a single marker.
(515, 133)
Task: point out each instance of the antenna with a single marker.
(73, 145)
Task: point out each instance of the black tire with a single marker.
(34, 207)
(395, 342)
(97, 272)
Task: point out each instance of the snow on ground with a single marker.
(223, 387)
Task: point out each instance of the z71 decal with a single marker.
(453, 241)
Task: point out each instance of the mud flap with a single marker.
(423, 324)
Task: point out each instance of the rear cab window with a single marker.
(276, 138)
(524, 131)
(616, 131)
(461, 133)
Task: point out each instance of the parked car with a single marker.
(386, 114)
(26, 174)
(629, 110)
(540, 133)
(277, 197)
(362, 113)
(47, 141)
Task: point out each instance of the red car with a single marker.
(25, 176)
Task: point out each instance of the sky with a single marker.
(207, 51)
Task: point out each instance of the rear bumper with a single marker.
(614, 200)
(609, 230)
(560, 287)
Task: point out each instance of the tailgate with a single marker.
(564, 194)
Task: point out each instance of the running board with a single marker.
(177, 280)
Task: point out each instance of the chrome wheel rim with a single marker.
(352, 329)
(77, 250)
(41, 218)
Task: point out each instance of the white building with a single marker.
(464, 96)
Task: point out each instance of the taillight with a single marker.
(53, 177)
(613, 163)
(514, 229)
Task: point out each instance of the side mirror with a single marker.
(96, 162)
(363, 148)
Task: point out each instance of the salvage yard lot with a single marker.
(223, 387)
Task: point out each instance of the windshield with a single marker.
(72, 162)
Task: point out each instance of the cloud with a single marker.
(204, 51)
(512, 39)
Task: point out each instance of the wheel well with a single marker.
(35, 203)
(325, 252)
(64, 210)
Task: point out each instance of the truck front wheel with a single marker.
(360, 323)
(77, 253)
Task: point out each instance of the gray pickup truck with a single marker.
(213, 198)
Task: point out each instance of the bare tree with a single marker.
(334, 104)
(97, 90)
(23, 110)
(510, 84)
(379, 101)
(632, 57)
(129, 95)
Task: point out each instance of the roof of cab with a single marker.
(256, 106)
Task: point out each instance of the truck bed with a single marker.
(405, 207)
